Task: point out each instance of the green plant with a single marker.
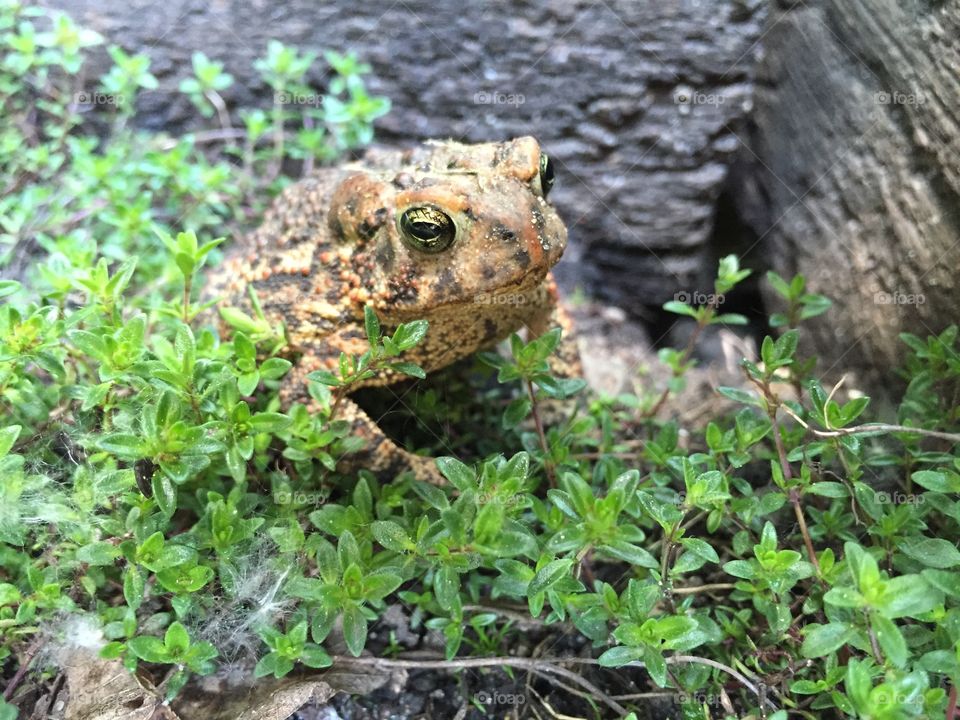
(789, 556)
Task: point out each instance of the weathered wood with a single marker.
(635, 100)
(856, 179)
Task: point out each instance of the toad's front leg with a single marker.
(379, 454)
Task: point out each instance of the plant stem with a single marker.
(535, 411)
(684, 358)
(28, 657)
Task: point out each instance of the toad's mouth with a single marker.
(525, 283)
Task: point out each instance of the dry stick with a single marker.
(589, 695)
(874, 645)
(544, 665)
(221, 107)
(873, 427)
(773, 403)
(547, 465)
(702, 588)
(24, 666)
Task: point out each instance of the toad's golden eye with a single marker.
(428, 229)
(546, 173)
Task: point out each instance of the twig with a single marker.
(519, 617)
(543, 664)
(592, 692)
(702, 588)
(874, 645)
(547, 465)
(774, 404)
(872, 427)
(702, 323)
(28, 657)
(222, 114)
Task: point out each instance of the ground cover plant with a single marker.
(795, 557)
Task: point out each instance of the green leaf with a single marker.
(371, 325)
(165, 493)
(410, 369)
(549, 575)
(446, 587)
(890, 639)
(176, 639)
(620, 655)
(680, 308)
(149, 648)
(392, 536)
(933, 480)
(932, 552)
(354, 629)
(820, 640)
(133, 587)
(516, 412)
(628, 552)
(461, 476)
(701, 548)
(829, 489)
(844, 597)
(740, 396)
(98, 553)
(908, 596)
(269, 422)
(8, 436)
(8, 287)
(315, 656)
(740, 568)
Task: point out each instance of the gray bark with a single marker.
(856, 180)
(634, 100)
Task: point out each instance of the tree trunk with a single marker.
(855, 177)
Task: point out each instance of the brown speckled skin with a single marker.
(331, 244)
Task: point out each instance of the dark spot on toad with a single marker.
(503, 234)
(523, 258)
(403, 286)
(470, 214)
(385, 254)
(489, 330)
(337, 227)
(447, 284)
(488, 272)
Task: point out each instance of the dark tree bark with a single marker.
(635, 101)
(856, 176)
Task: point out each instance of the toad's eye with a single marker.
(546, 174)
(427, 229)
